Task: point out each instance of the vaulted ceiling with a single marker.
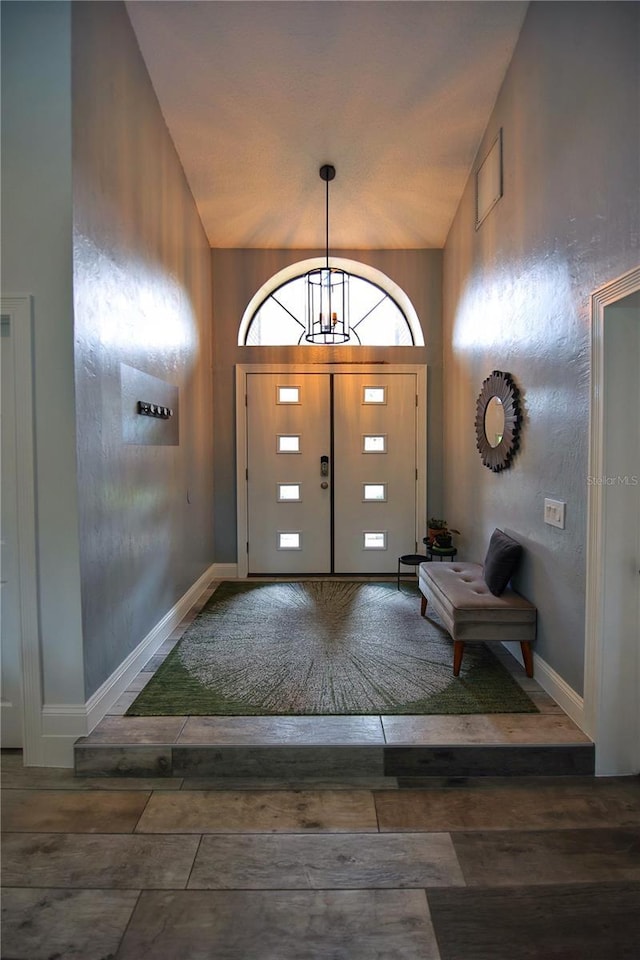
(396, 94)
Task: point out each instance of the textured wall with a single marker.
(36, 259)
(517, 295)
(237, 275)
(142, 287)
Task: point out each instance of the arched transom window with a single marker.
(381, 312)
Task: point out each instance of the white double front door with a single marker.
(331, 471)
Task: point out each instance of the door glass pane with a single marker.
(289, 541)
(375, 540)
(375, 395)
(288, 443)
(289, 491)
(288, 394)
(374, 491)
(374, 444)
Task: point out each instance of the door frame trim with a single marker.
(242, 370)
(20, 310)
(599, 683)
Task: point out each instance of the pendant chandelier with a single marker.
(327, 301)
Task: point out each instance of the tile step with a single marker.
(313, 761)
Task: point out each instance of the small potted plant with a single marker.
(439, 533)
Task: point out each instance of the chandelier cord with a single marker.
(326, 245)
(327, 308)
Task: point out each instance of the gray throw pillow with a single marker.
(503, 556)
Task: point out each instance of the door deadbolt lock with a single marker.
(324, 466)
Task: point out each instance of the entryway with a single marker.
(331, 468)
(612, 654)
(340, 749)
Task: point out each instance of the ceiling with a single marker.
(396, 94)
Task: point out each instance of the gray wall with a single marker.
(142, 291)
(237, 275)
(36, 259)
(517, 295)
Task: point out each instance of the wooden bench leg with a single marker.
(423, 605)
(527, 656)
(458, 650)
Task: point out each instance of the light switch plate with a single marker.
(554, 512)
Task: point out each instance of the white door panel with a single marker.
(375, 471)
(10, 620)
(361, 516)
(288, 535)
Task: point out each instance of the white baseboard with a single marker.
(553, 684)
(105, 696)
(57, 751)
(64, 720)
(68, 721)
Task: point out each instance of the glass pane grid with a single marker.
(375, 540)
(374, 395)
(288, 443)
(374, 444)
(288, 395)
(376, 319)
(374, 491)
(289, 491)
(289, 540)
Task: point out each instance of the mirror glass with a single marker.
(494, 422)
(498, 421)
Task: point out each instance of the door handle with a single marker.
(324, 466)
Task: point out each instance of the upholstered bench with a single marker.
(472, 613)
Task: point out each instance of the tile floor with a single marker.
(484, 869)
(348, 867)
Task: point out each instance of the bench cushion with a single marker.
(501, 561)
(469, 610)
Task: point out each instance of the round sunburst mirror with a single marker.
(498, 421)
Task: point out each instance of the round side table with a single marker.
(410, 560)
(442, 552)
(434, 551)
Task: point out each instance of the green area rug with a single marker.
(323, 647)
